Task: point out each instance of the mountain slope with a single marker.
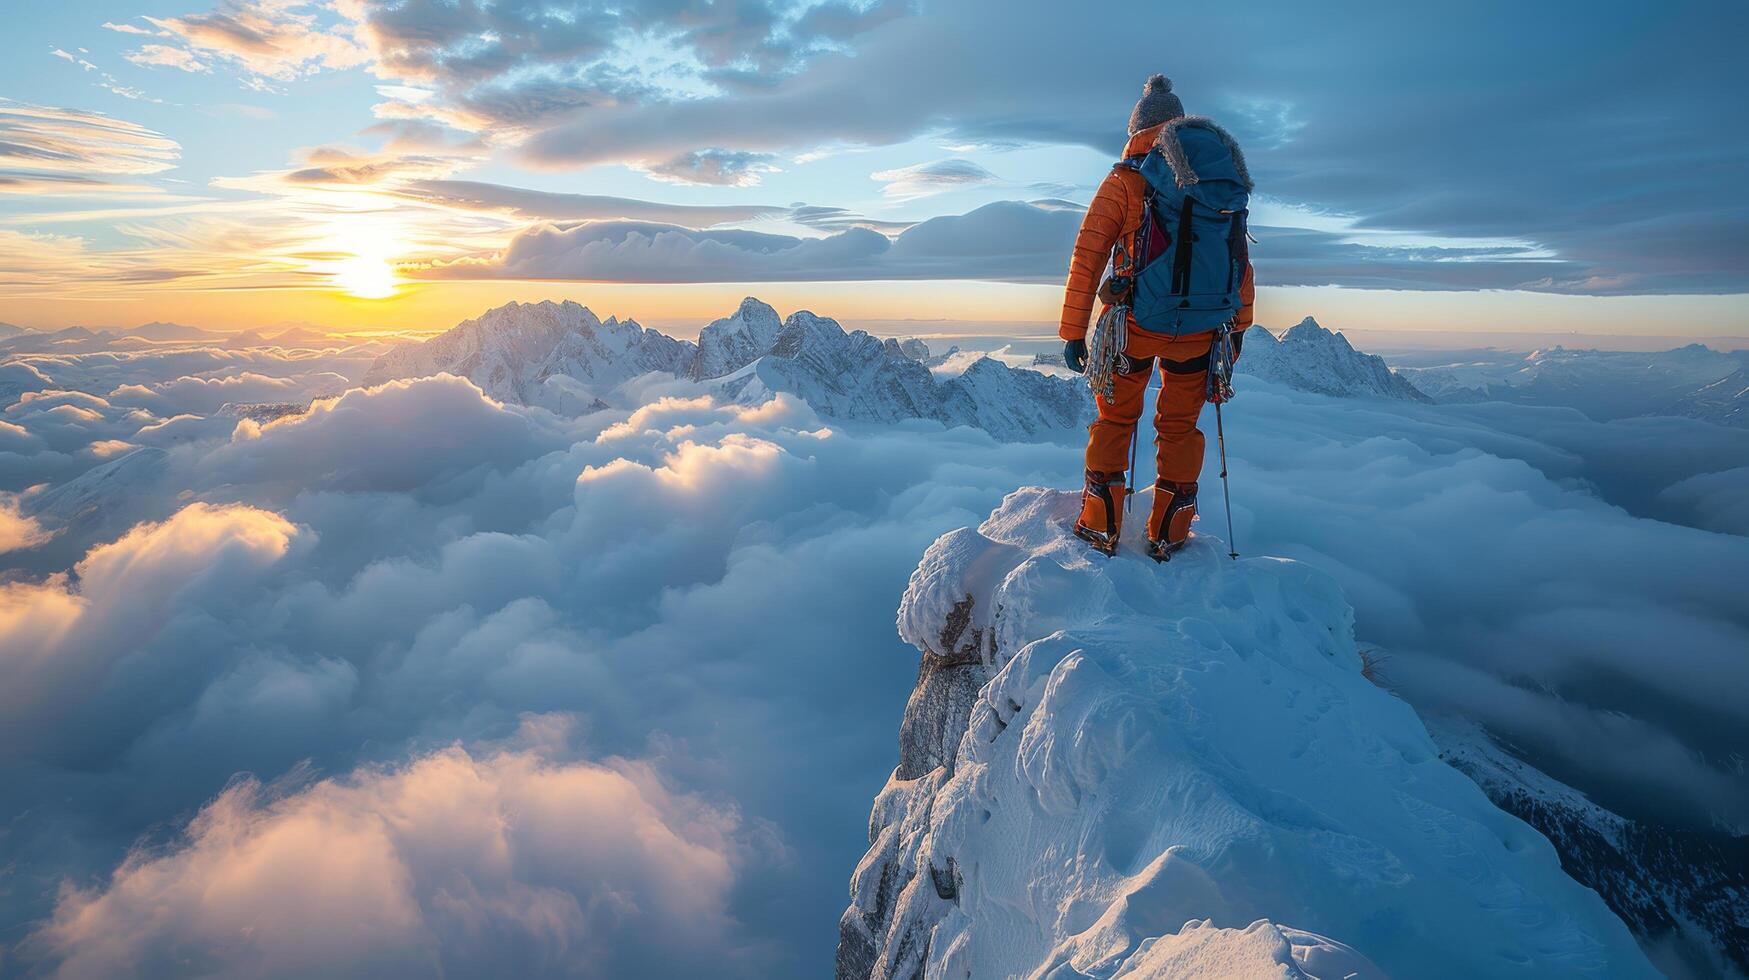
(1693, 381)
(1311, 358)
(859, 377)
(1667, 883)
(1114, 768)
(1725, 401)
(735, 341)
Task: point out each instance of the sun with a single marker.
(366, 277)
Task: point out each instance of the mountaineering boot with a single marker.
(1101, 511)
(1169, 519)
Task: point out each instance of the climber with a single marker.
(1169, 223)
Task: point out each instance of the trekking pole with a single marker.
(1221, 385)
(1129, 493)
(1226, 493)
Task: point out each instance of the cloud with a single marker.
(559, 206)
(360, 439)
(206, 396)
(924, 179)
(386, 590)
(165, 56)
(1333, 140)
(488, 863)
(720, 168)
(516, 67)
(131, 29)
(277, 39)
(18, 531)
(827, 218)
(71, 142)
(1007, 241)
(65, 633)
(441, 542)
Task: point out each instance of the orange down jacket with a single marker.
(1108, 232)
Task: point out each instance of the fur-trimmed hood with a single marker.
(1172, 149)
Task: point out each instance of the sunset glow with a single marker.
(157, 167)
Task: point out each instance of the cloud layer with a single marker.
(549, 686)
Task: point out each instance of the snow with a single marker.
(1311, 358)
(728, 344)
(512, 351)
(561, 357)
(1176, 770)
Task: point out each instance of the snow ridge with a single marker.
(1119, 769)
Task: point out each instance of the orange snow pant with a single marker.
(1177, 441)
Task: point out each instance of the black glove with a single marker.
(1075, 355)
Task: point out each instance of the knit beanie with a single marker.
(1157, 105)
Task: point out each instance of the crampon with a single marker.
(1105, 544)
(1164, 550)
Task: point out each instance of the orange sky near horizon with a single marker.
(429, 307)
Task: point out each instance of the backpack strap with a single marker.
(1138, 245)
(1238, 253)
(1181, 261)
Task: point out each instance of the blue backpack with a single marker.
(1191, 251)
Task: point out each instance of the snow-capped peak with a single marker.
(728, 344)
(1112, 768)
(1312, 358)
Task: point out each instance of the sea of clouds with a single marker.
(421, 681)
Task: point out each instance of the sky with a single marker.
(404, 164)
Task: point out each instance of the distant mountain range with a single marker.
(1693, 381)
(561, 356)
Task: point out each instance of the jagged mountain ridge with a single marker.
(561, 356)
(1106, 771)
(1311, 358)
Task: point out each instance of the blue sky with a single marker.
(1482, 166)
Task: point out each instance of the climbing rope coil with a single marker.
(1105, 349)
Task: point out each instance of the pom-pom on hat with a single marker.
(1157, 105)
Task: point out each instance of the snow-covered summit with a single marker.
(736, 340)
(1312, 358)
(512, 351)
(1121, 769)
